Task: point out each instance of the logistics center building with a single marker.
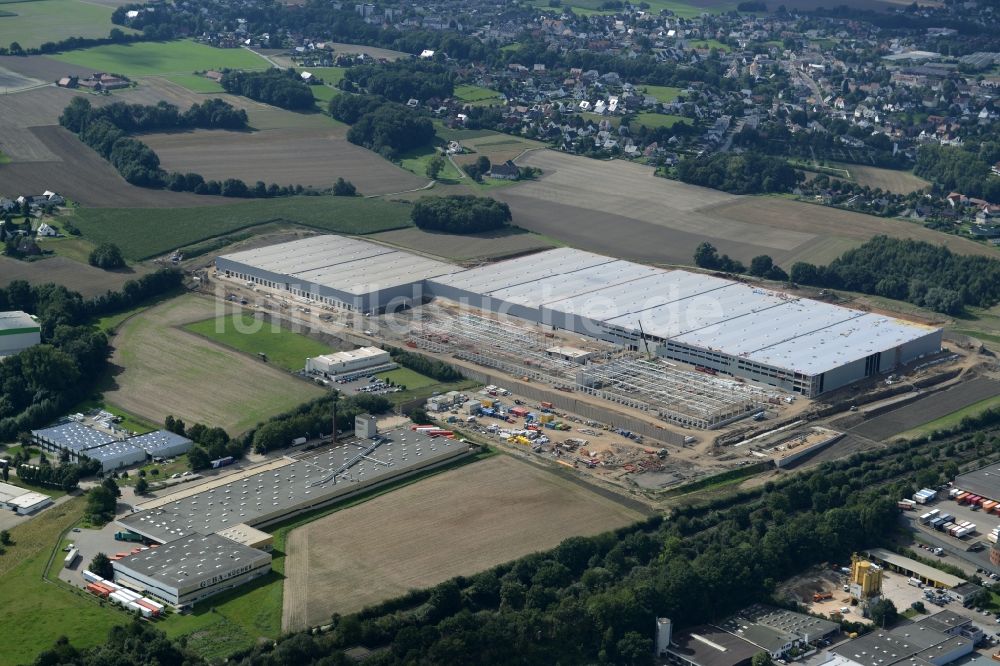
(796, 344)
(336, 270)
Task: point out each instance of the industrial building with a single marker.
(984, 482)
(734, 641)
(21, 501)
(162, 443)
(210, 539)
(721, 326)
(796, 344)
(116, 455)
(937, 640)
(18, 331)
(347, 362)
(337, 270)
(108, 444)
(309, 483)
(192, 568)
(905, 565)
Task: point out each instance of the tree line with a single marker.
(460, 214)
(380, 125)
(762, 266)
(313, 419)
(961, 169)
(402, 80)
(107, 130)
(40, 383)
(282, 88)
(927, 275)
(746, 173)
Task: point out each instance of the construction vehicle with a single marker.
(822, 596)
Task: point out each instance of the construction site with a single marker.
(654, 386)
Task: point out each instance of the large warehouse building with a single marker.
(796, 344)
(337, 270)
(209, 539)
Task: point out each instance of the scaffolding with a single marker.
(689, 399)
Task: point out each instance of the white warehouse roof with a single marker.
(15, 321)
(347, 264)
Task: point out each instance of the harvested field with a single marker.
(891, 180)
(496, 146)
(80, 174)
(373, 51)
(162, 369)
(41, 67)
(286, 156)
(927, 409)
(621, 208)
(464, 248)
(83, 278)
(456, 523)
(13, 82)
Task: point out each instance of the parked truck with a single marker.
(222, 462)
(128, 536)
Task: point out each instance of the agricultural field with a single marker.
(491, 245)
(160, 58)
(244, 332)
(682, 8)
(890, 180)
(944, 405)
(35, 22)
(72, 274)
(658, 120)
(196, 83)
(621, 208)
(497, 146)
(313, 157)
(142, 233)
(664, 94)
(161, 369)
(459, 522)
(11, 81)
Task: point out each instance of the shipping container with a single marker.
(145, 604)
(155, 604)
(961, 497)
(904, 505)
(992, 537)
(926, 518)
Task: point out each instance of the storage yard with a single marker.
(456, 523)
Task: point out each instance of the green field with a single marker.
(678, 7)
(476, 94)
(160, 58)
(663, 94)
(708, 44)
(331, 75)
(323, 95)
(450, 134)
(147, 232)
(244, 333)
(416, 162)
(34, 613)
(411, 379)
(33, 23)
(196, 83)
(953, 419)
(656, 120)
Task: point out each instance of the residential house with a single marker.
(506, 171)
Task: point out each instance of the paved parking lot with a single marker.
(91, 542)
(956, 550)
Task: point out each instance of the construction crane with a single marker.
(644, 341)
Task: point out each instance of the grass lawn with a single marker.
(34, 23)
(160, 58)
(142, 232)
(663, 94)
(34, 613)
(411, 379)
(71, 247)
(953, 419)
(468, 93)
(244, 333)
(196, 83)
(331, 75)
(111, 322)
(449, 134)
(708, 44)
(656, 120)
(323, 95)
(164, 470)
(4, 159)
(416, 162)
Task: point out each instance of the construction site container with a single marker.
(545, 405)
(904, 505)
(519, 412)
(948, 517)
(961, 532)
(485, 402)
(992, 537)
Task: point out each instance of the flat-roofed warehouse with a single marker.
(984, 482)
(266, 497)
(796, 344)
(192, 568)
(337, 270)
